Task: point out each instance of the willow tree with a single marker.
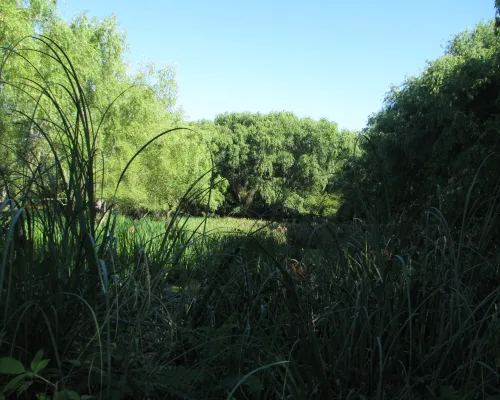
(127, 109)
(278, 161)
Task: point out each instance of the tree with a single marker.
(277, 161)
(142, 105)
(434, 132)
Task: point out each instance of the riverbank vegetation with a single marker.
(250, 257)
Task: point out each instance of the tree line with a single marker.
(276, 164)
(434, 143)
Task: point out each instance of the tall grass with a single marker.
(143, 309)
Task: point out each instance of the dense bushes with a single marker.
(434, 134)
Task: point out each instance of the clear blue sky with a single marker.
(333, 59)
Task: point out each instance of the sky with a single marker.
(321, 59)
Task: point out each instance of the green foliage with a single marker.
(279, 161)
(183, 309)
(130, 110)
(25, 378)
(433, 134)
(18, 19)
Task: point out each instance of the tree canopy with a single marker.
(278, 162)
(434, 134)
(127, 109)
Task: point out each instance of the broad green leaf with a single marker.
(36, 359)
(24, 386)
(14, 384)
(9, 365)
(40, 365)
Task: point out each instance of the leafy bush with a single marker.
(435, 133)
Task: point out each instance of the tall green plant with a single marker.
(59, 259)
